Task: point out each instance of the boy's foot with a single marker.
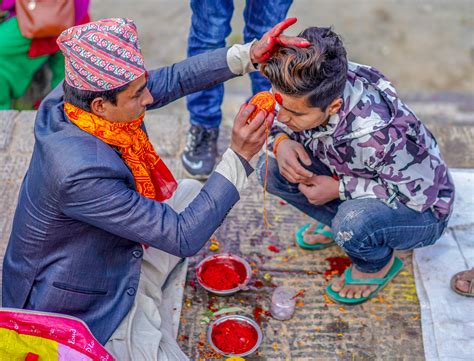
(200, 154)
(359, 291)
(310, 237)
(463, 282)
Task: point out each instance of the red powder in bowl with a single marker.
(234, 337)
(222, 274)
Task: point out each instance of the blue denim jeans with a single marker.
(368, 230)
(210, 26)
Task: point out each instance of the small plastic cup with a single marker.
(283, 306)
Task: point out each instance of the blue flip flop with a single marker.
(381, 282)
(318, 230)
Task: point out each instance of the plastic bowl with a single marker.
(221, 258)
(235, 318)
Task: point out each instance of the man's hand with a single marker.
(262, 49)
(320, 189)
(248, 137)
(289, 154)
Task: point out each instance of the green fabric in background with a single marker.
(17, 68)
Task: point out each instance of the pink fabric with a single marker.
(7, 5)
(81, 8)
(102, 55)
(47, 46)
(66, 353)
(65, 330)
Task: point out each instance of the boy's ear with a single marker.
(335, 105)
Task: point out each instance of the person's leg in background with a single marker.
(259, 17)
(16, 67)
(210, 25)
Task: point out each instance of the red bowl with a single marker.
(223, 274)
(234, 335)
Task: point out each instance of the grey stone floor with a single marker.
(388, 327)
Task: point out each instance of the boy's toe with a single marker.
(358, 294)
(337, 284)
(366, 292)
(350, 293)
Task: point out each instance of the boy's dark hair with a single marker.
(318, 72)
(83, 98)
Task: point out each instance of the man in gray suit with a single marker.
(100, 220)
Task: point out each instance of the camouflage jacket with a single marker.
(378, 147)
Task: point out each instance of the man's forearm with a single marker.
(197, 73)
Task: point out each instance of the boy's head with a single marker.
(310, 80)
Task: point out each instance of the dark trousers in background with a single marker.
(210, 26)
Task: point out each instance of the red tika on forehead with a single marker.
(278, 98)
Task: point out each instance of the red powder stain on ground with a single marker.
(273, 248)
(337, 266)
(258, 284)
(211, 306)
(232, 336)
(258, 312)
(192, 283)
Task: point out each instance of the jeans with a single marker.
(368, 230)
(210, 25)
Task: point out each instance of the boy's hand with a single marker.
(289, 155)
(262, 49)
(248, 137)
(320, 189)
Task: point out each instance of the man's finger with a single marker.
(244, 114)
(260, 132)
(257, 121)
(280, 27)
(284, 40)
(269, 119)
(267, 123)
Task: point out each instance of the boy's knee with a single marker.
(355, 221)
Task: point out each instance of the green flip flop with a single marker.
(318, 230)
(381, 282)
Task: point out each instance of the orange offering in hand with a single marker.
(264, 101)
